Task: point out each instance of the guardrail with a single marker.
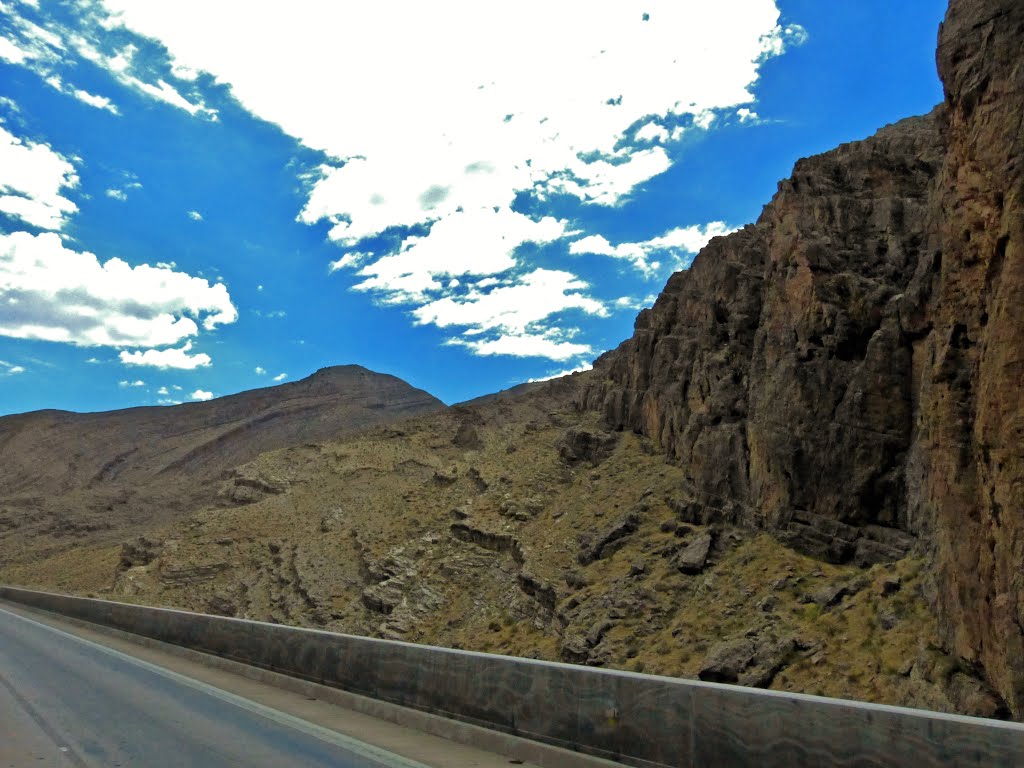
(640, 720)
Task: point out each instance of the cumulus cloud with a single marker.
(10, 369)
(674, 243)
(514, 308)
(178, 358)
(281, 377)
(163, 391)
(136, 383)
(33, 178)
(565, 111)
(479, 242)
(52, 293)
(260, 370)
(117, 194)
(445, 167)
(201, 394)
(195, 215)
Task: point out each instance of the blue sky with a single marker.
(196, 201)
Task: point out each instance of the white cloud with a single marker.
(166, 93)
(260, 370)
(117, 194)
(178, 358)
(559, 374)
(93, 100)
(454, 146)
(10, 369)
(195, 215)
(12, 53)
(52, 293)
(632, 302)
(93, 361)
(515, 308)
(168, 401)
(524, 345)
(33, 178)
(163, 391)
(609, 70)
(44, 51)
(136, 383)
(652, 132)
(281, 377)
(479, 242)
(351, 259)
(681, 240)
(99, 102)
(201, 394)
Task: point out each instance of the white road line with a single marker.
(367, 751)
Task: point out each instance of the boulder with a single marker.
(694, 557)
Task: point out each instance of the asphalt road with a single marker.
(66, 701)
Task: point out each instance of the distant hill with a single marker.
(63, 472)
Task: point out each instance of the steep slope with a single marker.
(67, 473)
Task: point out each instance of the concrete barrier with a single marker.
(640, 720)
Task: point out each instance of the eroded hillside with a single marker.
(71, 479)
(519, 526)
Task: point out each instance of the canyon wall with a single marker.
(847, 372)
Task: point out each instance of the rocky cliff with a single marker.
(964, 313)
(847, 371)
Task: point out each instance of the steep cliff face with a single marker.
(966, 312)
(847, 372)
(775, 370)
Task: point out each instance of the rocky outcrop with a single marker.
(496, 542)
(847, 371)
(774, 370)
(581, 445)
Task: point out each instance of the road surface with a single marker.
(67, 701)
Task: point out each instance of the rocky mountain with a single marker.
(848, 371)
(803, 471)
(67, 473)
